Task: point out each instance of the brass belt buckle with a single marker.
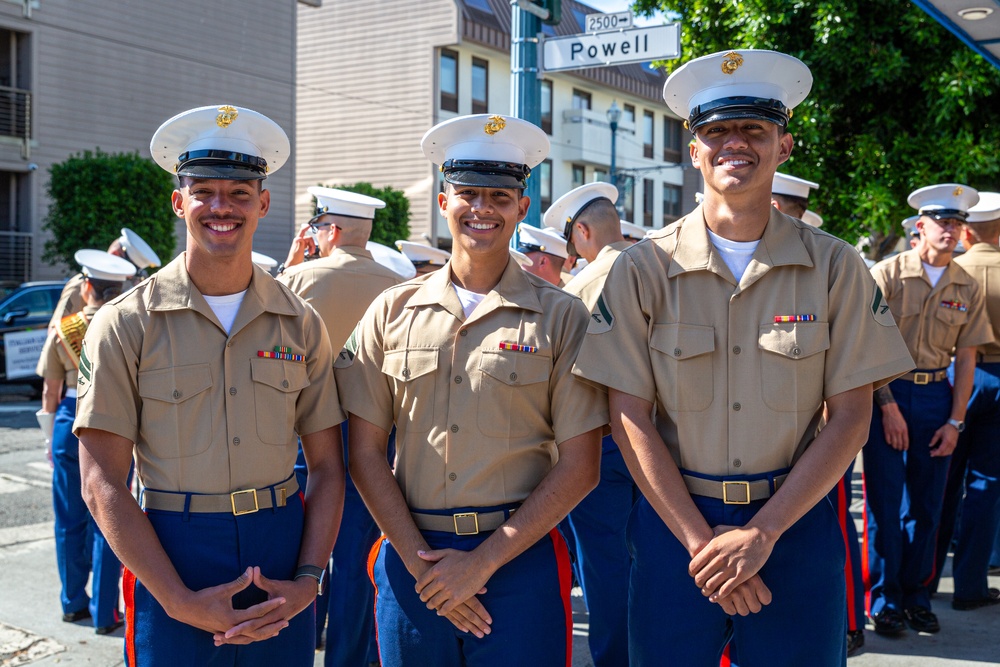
(922, 378)
(232, 500)
(745, 491)
(475, 523)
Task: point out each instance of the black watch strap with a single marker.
(317, 573)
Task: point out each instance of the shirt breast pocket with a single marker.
(792, 368)
(682, 365)
(412, 372)
(176, 410)
(276, 388)
(946, 326)
(513, 387)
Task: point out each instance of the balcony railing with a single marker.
(15, 113)
(15, 256)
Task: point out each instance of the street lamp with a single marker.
(614, 115)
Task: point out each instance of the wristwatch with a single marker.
(959, 425)
(317, 573)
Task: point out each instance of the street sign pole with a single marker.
(526, 90)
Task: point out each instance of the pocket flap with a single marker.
(515, 368)
(285, 376)
(406, 365)
(682, 341)
(795, 340)
(174, 385)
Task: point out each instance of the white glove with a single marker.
(46, 421)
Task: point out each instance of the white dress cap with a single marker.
(344, 203)
(522, 260)
(946, 200)
(486, 151)
(418, 253)
(910, 225)
(987, 209)
(220, 141)
(791, 186)
(101, 265)
(396, 262)
(548, 240)
(738, 84)
(565, 209)
(263, 261)
(632, 231)
(137, 250)
(812, 218)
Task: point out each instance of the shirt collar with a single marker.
(781, 245)
(911, 266)
(513, 291)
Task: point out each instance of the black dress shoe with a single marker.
(108, 629)
(855, 640)
(75, 616)
(922, 620)
(992, 597)
(889, 622)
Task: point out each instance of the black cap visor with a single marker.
(482, 174)
(738, 108)
(946, 214)
(223, 165)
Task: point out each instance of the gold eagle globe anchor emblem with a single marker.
(496, 124)
(732, 62)
(227, 115)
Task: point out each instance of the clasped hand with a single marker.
(449, 582)
(726, 569)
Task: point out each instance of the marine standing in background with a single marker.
(207, 372)
(546, 249)
(738, 324)
(919, 416)
(80, 545)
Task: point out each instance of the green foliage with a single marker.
(94, 194)
(392, 223)
(897, 101)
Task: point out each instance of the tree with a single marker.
(392, 223)
(897, 101)
(94, 194)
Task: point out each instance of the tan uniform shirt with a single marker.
(55, 363)
(736, 392)
(340, 287)
(477, 422)
(982, 262)
(590, 281)
(70, 300)
(207, 414)
(933, 320)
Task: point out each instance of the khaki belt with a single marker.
(988, 358)
(733, 493)
(924, 377)
(246, 501)
(463, 523)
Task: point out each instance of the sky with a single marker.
(608, 6)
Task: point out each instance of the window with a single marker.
(626, 188)
(545, 183)
(480, 85)
(628, 114)
(647, 202)
(581, 100)
(647, 134)
(449, 80)
(546, 103)
(671, 140)
(601, 176)
(579, 173)
(671, 203)
(15, 77)
(15, 226)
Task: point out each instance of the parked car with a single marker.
(24, 318)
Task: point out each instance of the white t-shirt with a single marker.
(225, 307)
(736, 254)
(934, 272)
(469, 299)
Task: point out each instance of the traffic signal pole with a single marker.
(526, 90)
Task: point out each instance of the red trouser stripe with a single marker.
(564, 571)
(844, 515)
(865, 573)
(725, 662)
(372, 557)
(128, 592)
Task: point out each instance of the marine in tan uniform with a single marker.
(790, 195)
(974, 474)
(80, 545)
(939, 309)
(596, 526)
(496, 440)
(737, 324)
(546, 248)
(207, 372)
